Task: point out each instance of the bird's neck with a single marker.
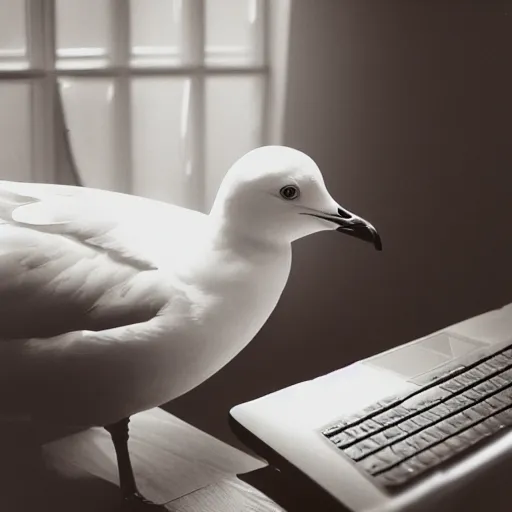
(235, 255)
(249, 242)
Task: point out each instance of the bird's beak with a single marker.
(352, 225)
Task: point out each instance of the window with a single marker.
(152, 97)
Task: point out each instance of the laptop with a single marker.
(403, 430)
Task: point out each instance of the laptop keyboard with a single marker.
(399, 439)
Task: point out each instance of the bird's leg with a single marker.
(129, 492)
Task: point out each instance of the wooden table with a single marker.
(175, 464)
(179, 466)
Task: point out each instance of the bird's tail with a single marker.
(9, 201)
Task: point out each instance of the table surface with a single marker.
(178, 466)
(175, 464)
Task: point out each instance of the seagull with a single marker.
(113, 304)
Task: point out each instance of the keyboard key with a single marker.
(379, 461)
(397, 397)
(459, 420)
(457, 402)
(452, 386)
(362, 449)
(464, 380)
(435, 376)
(391, 434)
(476, 374)
(364, 429)
(436, 432)
(409, 426)
(413, 464)
(395, 476)
(482, 408)
(428, 458)
(392, 416)
(507, 374)
(425, 399)
(382, 404)
(335, 429)
(421, 420)
(505, 417)
(495, 404)
(442, 451)
(473, 415)
(473, 434)
(421, 441)
(486, 388)
(491, 365)
(342, 439)
(404, 449)
(488, 368)
(473, 395)
(400, 474)
(502, 360)
(493, 424)
(441, 410)
(499, 381)
(456, 443)
(431, 415)
(447, 428)
(483, 429)
(504, 396)
(374, 464)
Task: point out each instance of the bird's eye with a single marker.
(289, 192)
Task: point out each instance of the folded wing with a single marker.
(82, 259)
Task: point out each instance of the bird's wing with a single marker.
(74, 258)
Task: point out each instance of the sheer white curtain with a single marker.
(153, 97)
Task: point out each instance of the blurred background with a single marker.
(405, 105)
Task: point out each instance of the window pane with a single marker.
(89, 114)
(233, 125)
(155, 29)
(160, 129)
(84, 30)
(15, 131)
(13, 45)
(233, 31)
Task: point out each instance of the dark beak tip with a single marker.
(363, 232)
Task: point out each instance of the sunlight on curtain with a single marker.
(168, 109)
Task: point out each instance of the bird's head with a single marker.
(277, 194)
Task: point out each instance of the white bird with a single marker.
(112, 304)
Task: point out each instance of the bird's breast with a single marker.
(219, 321)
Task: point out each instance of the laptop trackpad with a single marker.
(425, 355)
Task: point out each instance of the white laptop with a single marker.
(407, 429)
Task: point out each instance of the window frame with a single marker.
(50, 144)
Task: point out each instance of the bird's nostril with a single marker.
(344, 214)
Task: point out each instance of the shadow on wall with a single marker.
(406, 108)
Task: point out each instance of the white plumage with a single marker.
(112, 304)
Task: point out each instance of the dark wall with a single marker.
(407, 108)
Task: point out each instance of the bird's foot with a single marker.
(135, 502)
